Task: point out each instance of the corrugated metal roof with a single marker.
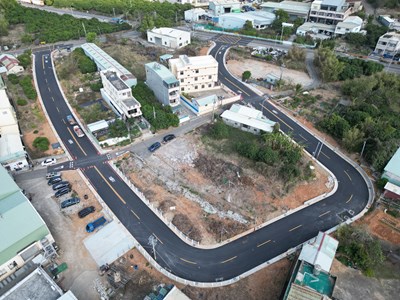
(393, 166)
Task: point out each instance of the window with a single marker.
(196, 87)
(209, 85)
(151, 39)
(182, 80)
(181, 72)
(180, 44)
(209, 76)
(195, 79)
(182, 89)
(197, 71)
(202, 86)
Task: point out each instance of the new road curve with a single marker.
(169, 251)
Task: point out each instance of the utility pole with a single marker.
(362, 150)
(322, 144)
(84, 29)
(114, 11)
(154, 112)
(316, 149)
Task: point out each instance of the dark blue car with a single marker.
(154, 147)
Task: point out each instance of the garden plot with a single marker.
(210, 196)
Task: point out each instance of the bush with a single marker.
(14, 79)
(22, 102)
(118, 129)
(381, 182)
(85, 64)
(27, 87)
(41, 143)
(220, 130)
(25, 59)
(95, 87)
(246, 75)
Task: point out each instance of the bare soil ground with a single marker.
(200, 191)
(383, 226)
(260, 69)
(15, 32)
(264, 284)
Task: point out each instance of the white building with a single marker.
(351, 24)
(105, 62)
(198, 73)
(389, 43)
(247, 119)
(163, 83)
(168, 37)
(12, 152)
(219, 7)
(293, 8)
(329, 12)
(316, 30)
(195, 3)
(118, 95)
(259, 20)
(11, 63)
(193, 15)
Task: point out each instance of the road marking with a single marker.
(188, 261)
(325, 213)
(45, 80)
(351, 197)
(57, 109)
(111, 187)
(325, 155)
(48, 88)
(303, 137)
(294, 228)
(232, 258)
(52, 98)
(135, 214)
(64, 122)
(70, 132)
(262, 244)
(43, 62)
(348, 175)
(237, 87)
(277, 117)
(158, 238)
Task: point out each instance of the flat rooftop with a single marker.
(131, 102)
(196, 61)
(175, 33)
(162, 72)
(36, 286)
(393, 166)
(289, 6)
(115, 80)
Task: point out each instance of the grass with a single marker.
(38, 114)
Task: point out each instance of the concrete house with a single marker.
(329, 12)
(168, 37)
(11, 64)
(119, 95)
(392, 170)
(247, 119)
(198, 73)
(293, 8)
(193, 15)
(163, 83)
(259, 19)
(389, 43)
(219, 7)
(351, 24)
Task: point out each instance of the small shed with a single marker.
(165, 58)
(272, 79)
(98, 128)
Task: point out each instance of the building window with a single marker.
(165, 43)
(151, 39)
(181, 72)
(182, 80)
(180, 44)
(195, 79)
(182, 89)
(209, 85)
(196, 87)
(197, 71)
(202, 86)
(209, 76)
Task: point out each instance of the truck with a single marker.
(78, 131)
(71, 120)
(95, 224)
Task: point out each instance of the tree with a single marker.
(352, 139)
(329, 66)
(298, 89)
(356, 39)
(335, 125)
(41, 143)
(246, 75)
(3, 25)
(91, 37)
(220, 130)
(25, 59)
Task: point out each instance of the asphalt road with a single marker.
(171, 252)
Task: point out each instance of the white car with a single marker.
(49, 162)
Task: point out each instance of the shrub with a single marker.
(95, 87)
(22, 102)
(41, 143)
(220, 130)
(246, 75)
(27, 87)
(35, 131)
(85, 64)
(13, 78)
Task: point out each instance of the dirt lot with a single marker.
(212, 197)
(15, 32)
(260, 69)
(383, 226)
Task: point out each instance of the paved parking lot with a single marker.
(68, 230)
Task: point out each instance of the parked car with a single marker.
(62, 191)
(53, 174)
(95, 224)
(54, 180)
(60, 185)
(49, 162)
(70, 202)
(86, 211)
(168, 137)
(154, 147)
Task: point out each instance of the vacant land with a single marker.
(210, 196)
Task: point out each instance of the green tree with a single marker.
(25, 59)
(3, 25)
(246, 75)
(91, 37)
(352, 139)
(329, 66)
(219, 130)
(335, 125)
(356, 39)
(41, 143)
(118, 129)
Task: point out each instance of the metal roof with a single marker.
(99, 125)
(392, 188)
(162, 72)
(20, 224)
(289, 6)
(393, 166)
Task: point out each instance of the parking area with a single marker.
(67, 228)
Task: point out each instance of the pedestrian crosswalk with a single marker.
(232, 40)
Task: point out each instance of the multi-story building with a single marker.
(293, 8)
(351, 24)
(329, 11)
(12, 152)
(198, 73)
(163, 83)
(119, 95)
(389, 43)
(24, 234)
(105, 62)
(168, 37)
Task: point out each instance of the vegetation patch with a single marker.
(22, 102)
(41, 143)
(27, 87)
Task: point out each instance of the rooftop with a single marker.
(224, 2)
(36, 286)
(392, 188)
(115, 80)
(162, 72)
(130, 102)
(308, 26)
(257, 16)
(176, 294)
(338, 3)
(11, 147)
(99, 125)
(196, 61)
(289, 6)
(393, 166)
(169, 32)
(206, 100)
(20, 224)
(321, 252)
(391, 35)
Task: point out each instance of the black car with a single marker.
(168, 137)
(154, 147)
(70, 202)
(86, 211)
(54, 180)
(62, 191)
(60, 185)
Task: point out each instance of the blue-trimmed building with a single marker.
(392, 169)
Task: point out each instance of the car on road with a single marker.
(86, 211)
(70, 202)
(168, 137)
(62, 191)
(60, 185)
(52, 174)
(49, 162)
(154, 147)
(54, 180)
